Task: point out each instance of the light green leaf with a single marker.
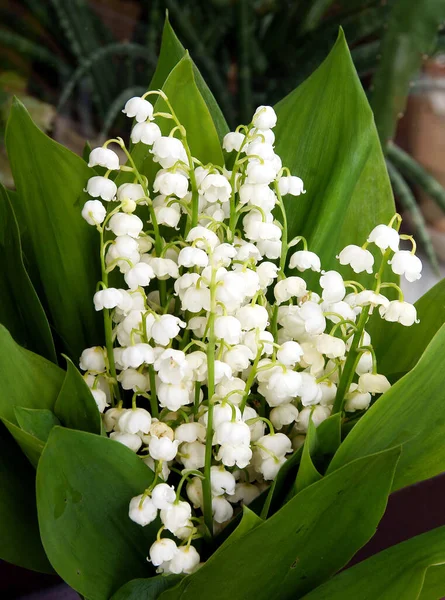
(411, 32)
(146, 589)
(19, 531)
(20, 308)
(281, 558)
(410, 413)
(61, 247)
(434, 584)
(307, 473)
(75, 405)
(27, 379)
(398, 572)
(31, 446)
(399, 348)
(36, 421)
(326, 135)
(172, 51)
(84, 485)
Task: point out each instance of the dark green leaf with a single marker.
(146, 589)
(326, 135)
(27, 379)
(434, 584)
(19, 531)
(281, 558)
(411, 32)
(397, 572)
(84, 485)
(50, 179)
(37, 422)
(31, 446)
(399, 348)
(20, 308)
(307, 473)
(329, 437)
(75, 405)
(411, 412)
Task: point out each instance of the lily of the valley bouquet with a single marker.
(245, 383)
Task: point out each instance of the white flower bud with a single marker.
(222, 370)
(304, 260)
(104, 157)
(232, 432)
(94, 212)
(233, 141)
(215, 187)
(163, 267)
(264, 118)
(310, 392)
(131, 440)
(266, 272)
(123, 224)
(406, 263)
(163, 496)
(283, 387)
(269, 248)
(276, 445)
(252, 317)
(101, 187)
(399, 312)
(385, 237)
(139, 275)
(365, 363)
(358, 258)
(147, 133)
(317, 414)
(143, 511)
(167, 151)
(245, 493)
(93, 359)
(162, 448)
(162, 551)
(203, 237)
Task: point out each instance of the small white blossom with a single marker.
(399, 312)
(357, 400)
(139, 275)
(147, 133)
(101, 187)
(228, 328)
(104, 157)
(139, 108)
(288, 288)
(167, 151)
(291, 185)
(174, 396)
(385, 237)
(130, 440)
(137, 355)
(358, 258)
(130, 191)
(222, 509)
(176, 516)
(166, 328)
(290, 353)
(162, 551)
(107, 298)
(282, 415)
(215, 187)
(162, 448)
(94, 212)
(131, 379)
(163, 496)
(304, 260)
(373, 383)
(134, 420)
(407, 264)
(222, 481)
(193, 257)
(192, 455)
(171, 184)
(333, 286)
(264, 118)
(142, 510)
(123, 224)
(233, 141)
(93, 359)
(185, 560)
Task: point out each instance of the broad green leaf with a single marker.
(27, 379)
(146, 589)
(65, 249)
(398, 572)
(20, 308)
(75, 405)
(399, 348)
(326, 135)
(36, 421)
(308, 540)
(84, 485)
(411, 32)
(31, 446)
(172, 51)
(307, 473)
(411, 413)
(19, 531)
(434, 584)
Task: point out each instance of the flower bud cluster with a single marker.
(217, 359)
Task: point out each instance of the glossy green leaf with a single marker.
(64, 248)
(75, 405)
(326, 135)
(172, 51)
(37, 422)
(84, 485)
(411, 33)
(398, 572)
(20, 308)
(307, 473)
(410, 413)
(281, 558)
(434, 583)
(27, 379)
(31, 446)
(146, 589)
(399, 348)
(19, 531)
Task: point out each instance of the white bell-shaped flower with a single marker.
(172, 366)
(385, 237)
(139, 108)
(93, 359)
(228, 328)
(139, 275)
(123, 224)
(192, 455)
(190, 432)
(245, 493)
(142, 510)
(282, 415)
(130, 191)
(252, 316)
(137, 355)
(233, 141)
(266, 136)
(166, 328)
(186, 560)
(270, 249)
(222, 509)
(215, 188)
(266, 272)
(234, 454)
(283, 387)
(101, 187)
(94, 212)
(289, 288)
(192, 257)
(163, 267)
(222, 481)
(168, 215)
(176, 516)
(330, 346)
(358, 258)
(276, 445)
(310, 392)
(316, 414)
(365, 363)
(312, 317)
(104, 157)
(333, 286)
(162, 448)
(304, 260)
(373, 383)
(203, 238)
(174, 396)
(121, 252)
(163, 495)
(238, 358)
(130, 379)
(147, 133)
(232, 432)
(289, 353)
(162, 551)
(399, 312)
(130, 440)
(100, 399)
(171, 184)
(264, 118)
(195, 493)
(167, 151)
(107, 298)
(291, 185)
(405, 263)
(357, 400)
(134, 420)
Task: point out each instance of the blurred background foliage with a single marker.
(74, 63)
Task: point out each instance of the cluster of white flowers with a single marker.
(222, 357)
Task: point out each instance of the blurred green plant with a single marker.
(248, 51)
